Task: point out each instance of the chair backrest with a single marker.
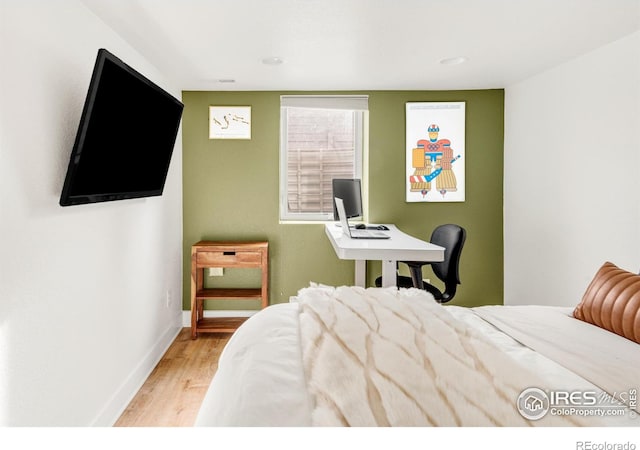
(451, 237)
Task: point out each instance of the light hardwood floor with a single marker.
(172, 394)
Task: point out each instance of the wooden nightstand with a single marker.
(230, 254)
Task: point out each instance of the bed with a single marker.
(349, 356)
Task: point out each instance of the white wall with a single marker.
(572, 175)
(83, 314)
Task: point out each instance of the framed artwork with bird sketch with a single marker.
(229, 122)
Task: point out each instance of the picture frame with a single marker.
(229, 122)
(435, 152)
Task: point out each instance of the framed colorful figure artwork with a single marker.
(435, 152)
(229, 122)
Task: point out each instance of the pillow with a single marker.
(612, 302)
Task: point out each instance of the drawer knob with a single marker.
(229, 253)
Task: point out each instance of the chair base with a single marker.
(407, 282)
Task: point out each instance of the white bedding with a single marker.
(261, 379)
(605, 359)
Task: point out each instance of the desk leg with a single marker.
(388, 273)
(361, 273)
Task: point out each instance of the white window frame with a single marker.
(336, 102)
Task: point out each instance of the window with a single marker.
(321, 138)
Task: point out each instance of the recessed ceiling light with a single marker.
(226, 80)
(272, 61)
(453, 61)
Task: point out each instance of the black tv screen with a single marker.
(125, 139)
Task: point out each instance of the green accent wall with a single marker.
(231, 192)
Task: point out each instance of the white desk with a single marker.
(400, 247)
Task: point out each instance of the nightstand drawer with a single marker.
(229, 259)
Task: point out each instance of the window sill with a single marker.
(304, 222)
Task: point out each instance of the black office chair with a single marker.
(452, 238)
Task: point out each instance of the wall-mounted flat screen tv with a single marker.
(125, 139)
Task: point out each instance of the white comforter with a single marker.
(262, 379)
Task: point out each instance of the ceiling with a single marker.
(363, 44)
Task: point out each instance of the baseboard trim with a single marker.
(186, 315)
(130, 387)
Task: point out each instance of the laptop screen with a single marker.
(342, 215)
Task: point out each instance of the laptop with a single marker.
(356, 234)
